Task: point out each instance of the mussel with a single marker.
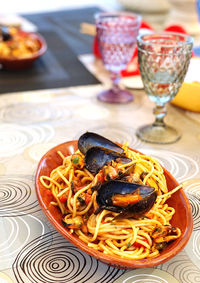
(97, 157)
(89, 140)
(128, 199)
(5, 33)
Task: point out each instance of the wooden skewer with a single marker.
(87, 28)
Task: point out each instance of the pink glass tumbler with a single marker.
(117, 35)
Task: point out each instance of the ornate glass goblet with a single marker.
(163, 62)
(117, 36)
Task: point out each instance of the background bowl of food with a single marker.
(20, 49)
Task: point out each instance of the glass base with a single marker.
(158, 134)
(115, 96)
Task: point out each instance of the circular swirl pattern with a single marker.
(181, 267)
(60, 262)
(34, 152)
(16, 197)
(196, 242)
(194, 246)
(182, 167)
(18, 232)
(92, 112)
(193, 187)
(14, 138)
(195, 205)
(149, 275)
(29, 113)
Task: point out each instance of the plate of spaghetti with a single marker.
(113, 202)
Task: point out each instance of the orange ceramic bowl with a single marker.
(24, 63)
(182, 218)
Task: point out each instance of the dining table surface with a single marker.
(35, 118)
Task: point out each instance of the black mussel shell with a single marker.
(136, 210)
(97, 157)
(89, 139)
(5, 33)
(127, 172)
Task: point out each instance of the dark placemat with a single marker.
(59, 66)
(66, 23)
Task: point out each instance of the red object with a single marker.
(63, 198)
(138, 245)
(96, 51)
(88, 198)
(133, 67)
(176, 28)
(78, 188)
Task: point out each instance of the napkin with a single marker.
(188, 96)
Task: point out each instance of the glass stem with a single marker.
(115, 77)
(160, 112)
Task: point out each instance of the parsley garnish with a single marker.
(75, 160)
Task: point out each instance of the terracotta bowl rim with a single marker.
(108, 259)
(35, 55)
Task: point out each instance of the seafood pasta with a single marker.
(20, 45)
(113, 198)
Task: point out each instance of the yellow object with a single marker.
(188, 97)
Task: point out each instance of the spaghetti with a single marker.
(72, 187)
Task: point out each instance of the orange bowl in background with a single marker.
(12, 63)
(182, 217)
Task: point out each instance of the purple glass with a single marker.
(116, 34)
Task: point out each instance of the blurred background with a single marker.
(158, 13)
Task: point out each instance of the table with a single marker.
(33, 122)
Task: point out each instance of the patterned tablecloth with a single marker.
(31, 250)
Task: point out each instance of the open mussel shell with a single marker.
(89, 140)
(136, 210)
(96, 158)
